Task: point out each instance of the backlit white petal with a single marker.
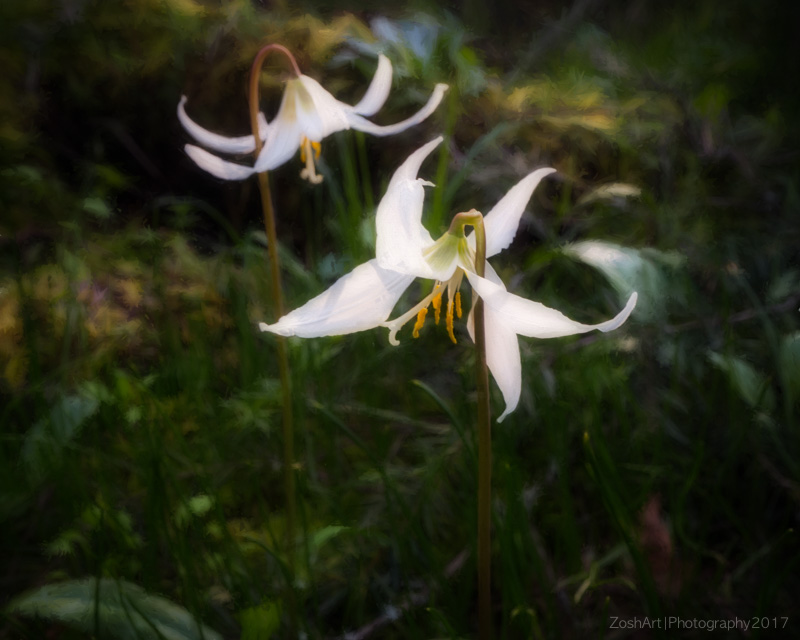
(378, 90)
(533, 319)
(283, 141)
(503, 359)
(410, 168)
(217, 166)
(360, 300)
(215, 141)
(502, 221)
(361, 124)
(502, 350)
(324, 115)
(401, 238)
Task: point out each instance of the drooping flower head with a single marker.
(307, 114)
(364, 298)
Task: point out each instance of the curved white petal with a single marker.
(216, 166)
(410, 168)
(502, 350)
(401, 238)
(533, 319)
(502, 221)
(319, 113)
(378, 89)
(361, 124)
(360, 300)
(281, 144)
(215, 141)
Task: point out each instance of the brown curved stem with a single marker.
(277, 297)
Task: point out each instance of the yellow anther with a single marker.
(450, 321)
(458, 303)
(437, 306)
(420, 321)
(307, 157)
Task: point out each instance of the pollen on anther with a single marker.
(420, 321)
(458, 304)
(317, 149)
(450, 321)
(437, 306)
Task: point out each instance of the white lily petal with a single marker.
(378, 89)
(324, 115)
(361, 124)
(502, 350)
(360, 300)
(502, 221)
(533, 319)
(410, 168)
(401, 238)
(215, 141)
(217, 166)
(263, 125)
(283, 141)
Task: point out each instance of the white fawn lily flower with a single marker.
(308, 113)
(364, 298)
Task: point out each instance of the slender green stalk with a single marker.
(484, 434)
(277, 297)
(484, 454)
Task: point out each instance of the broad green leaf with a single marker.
(751, 385)
(628, 270)
(45, 442)
(120, 609)
(261, 622)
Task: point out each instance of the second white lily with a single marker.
(364, 298)
(308, 113)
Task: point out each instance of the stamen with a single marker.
(437, 306)
(420, 321)
(307, 157)
(395, 325)
(458, 304)
(450, 321)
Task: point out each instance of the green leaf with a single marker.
(321, 536)
(610, 192)
(120, 610)
(261, 622)
(45, 442)
(97, 207)
(629, 270)
(785, 285)
(196, 507)
(751, 385)
(790, 364)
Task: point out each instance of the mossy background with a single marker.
(654, 471)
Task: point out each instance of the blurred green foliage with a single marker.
(652, 471)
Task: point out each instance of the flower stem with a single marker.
(484, 440)
(277, 298)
